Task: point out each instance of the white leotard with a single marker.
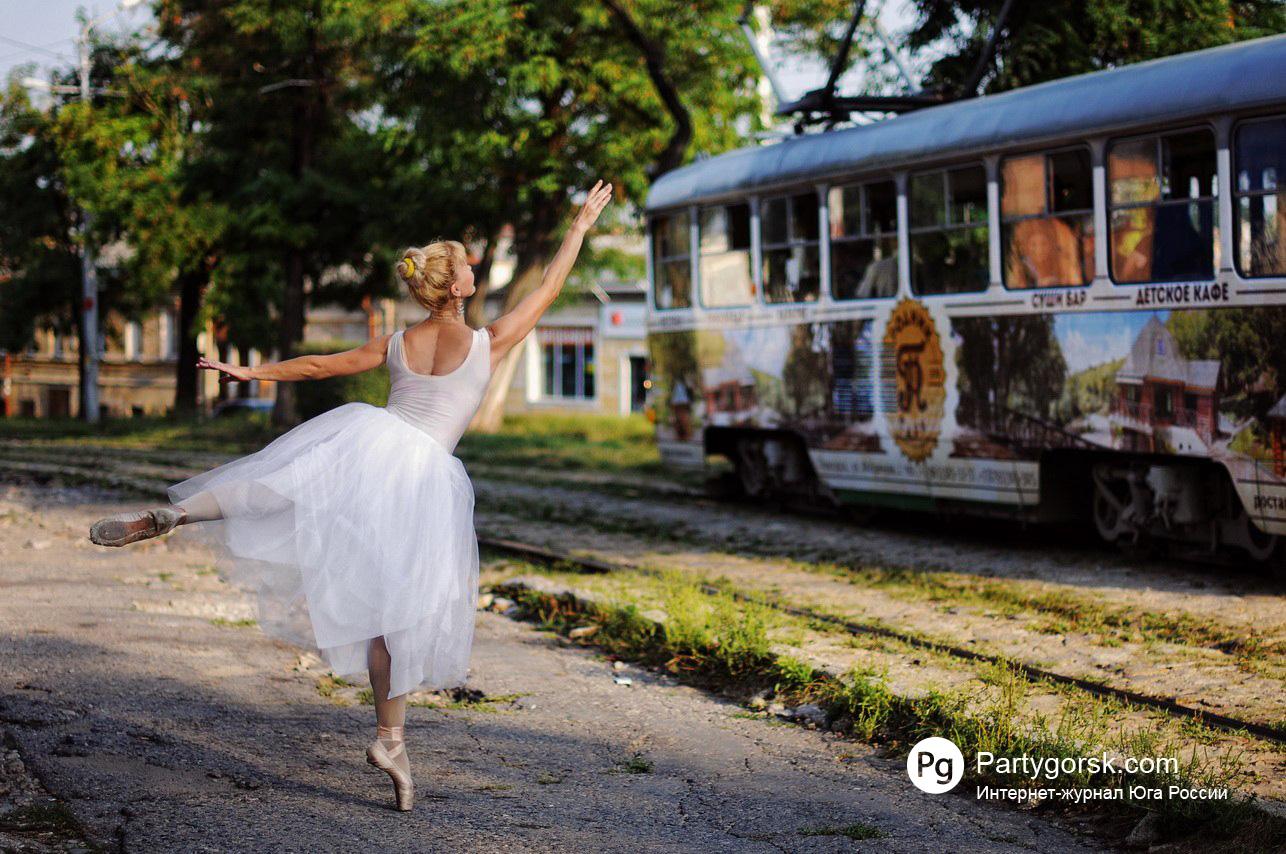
(441, 406)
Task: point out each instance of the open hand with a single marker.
(229, 373)
(598, 198)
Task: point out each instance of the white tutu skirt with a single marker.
(353, 525)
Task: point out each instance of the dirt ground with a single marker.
(138, 699)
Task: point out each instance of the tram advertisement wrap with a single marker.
(912, 400)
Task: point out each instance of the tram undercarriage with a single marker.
(1141, 505)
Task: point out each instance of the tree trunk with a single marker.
(475, 313)
(654, 58)
(492, 410)
(222, 347)
(307, 118)
(286, 412)
(81, 351)
(191, 291)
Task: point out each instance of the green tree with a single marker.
(1247, 343)
(1008, 364)
(290, 118)
(39, 252)
(174, 235)
(547, 95)
(1048, 40)
(57, 166)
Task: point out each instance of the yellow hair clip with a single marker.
(410, 266)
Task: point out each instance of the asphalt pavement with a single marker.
(135, 697)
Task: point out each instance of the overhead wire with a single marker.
(28, 46)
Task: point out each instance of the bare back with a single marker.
(436, 349)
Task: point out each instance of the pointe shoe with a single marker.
(125, 528)
(384, 758)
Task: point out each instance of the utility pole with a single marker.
(88, 275)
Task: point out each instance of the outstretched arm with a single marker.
(370, 355)
(513, 327)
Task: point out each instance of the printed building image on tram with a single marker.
(1065, 300)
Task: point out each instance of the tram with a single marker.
(1063, 301)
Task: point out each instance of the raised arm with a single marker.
(513, 327)
(370, 355)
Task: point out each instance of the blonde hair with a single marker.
(429, 272)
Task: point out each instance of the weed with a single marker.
(42, 817)
(636, 764)
(546, 779)
(466, 700)
(700, 643)
(859, 830)
(224, 621)
(328, 685)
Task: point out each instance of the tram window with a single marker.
(774, 218)
(726, 267)
(791, 266)
(1259, 164)
(864, 244)
(949, 231)
(672, 265)
(1047, 219)
(1163, 216)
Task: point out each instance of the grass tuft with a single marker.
(717, 642)
(852, 831)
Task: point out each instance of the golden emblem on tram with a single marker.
(913, 379)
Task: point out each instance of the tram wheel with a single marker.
(1260, 546)
(1140, 546)
(1107, 517)
(752, 468)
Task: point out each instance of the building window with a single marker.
(1047, 219)
(864, 240)
(790, 229)
(1260, 201)
(672, 262)
(1162, 208)
(169, 345)
(133, 340)
(639, 383)
(567, 362)
(949, 231)
(1165, 403)
(726, 268)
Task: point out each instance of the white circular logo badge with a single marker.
(935, 765)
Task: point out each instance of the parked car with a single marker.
(241, 405)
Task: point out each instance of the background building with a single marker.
(587, 355)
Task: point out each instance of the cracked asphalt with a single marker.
(164, 728)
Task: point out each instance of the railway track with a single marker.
(1031, 673)
(149, 472)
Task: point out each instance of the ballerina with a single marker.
(356, 527)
